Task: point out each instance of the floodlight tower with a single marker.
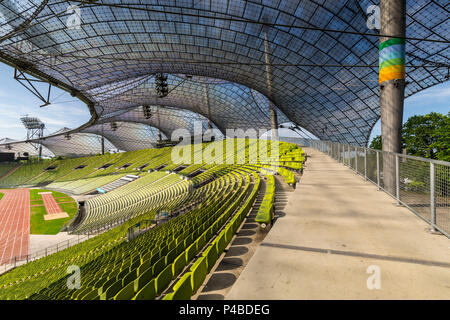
(35, 131)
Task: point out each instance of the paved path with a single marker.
(337, 235)
(39, 242)
(14, 224)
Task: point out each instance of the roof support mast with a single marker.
(159, 125)
(273, 113)
(392, 83)
(208, 109)
(103, 141)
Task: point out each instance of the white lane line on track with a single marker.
(7, 225)
(14, 241)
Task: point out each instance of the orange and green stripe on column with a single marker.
(392, 60)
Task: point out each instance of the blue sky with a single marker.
(434, 99)
(67, 111)
(16, 101)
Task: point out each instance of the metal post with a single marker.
(432, 198)
(365, 163)
(343, 154)
(349, 152)
(349, 162)
(339, 152)
(356, 159)
(335, 153)
(397, 178)
(378, 169)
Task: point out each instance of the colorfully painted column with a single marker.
(392, 83)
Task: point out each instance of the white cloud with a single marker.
(69, 110)
(431, 95)
(53, 121)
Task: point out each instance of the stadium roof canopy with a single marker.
(323, 61)
(19, 148)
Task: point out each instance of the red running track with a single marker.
(51, 206)
(14, 224)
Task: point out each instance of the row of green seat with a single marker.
(288, 175)
(191, 281)
(24, 173)
(163, 250)
(148, 193)
(265, 211)
(6, 168)
(115, 268)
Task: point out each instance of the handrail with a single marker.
(422, 185)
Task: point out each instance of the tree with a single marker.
(376, 143)
(442, 140)
(427, 136)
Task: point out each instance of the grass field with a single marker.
(34, 194)
(1, 195)
(37, 223)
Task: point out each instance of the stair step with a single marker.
(127, 179)
(119, 182)
(132, 176)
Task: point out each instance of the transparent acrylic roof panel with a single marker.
(225, 40)
(75, 144)
(10, 145)
(128, 136)
(231, 105)
(15, 14)
(167, 119)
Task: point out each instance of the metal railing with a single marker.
(16, 261)
(422, 185)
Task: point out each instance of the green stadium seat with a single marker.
(199, 271)
(182, 290)
(211, 256)
(163, 279)
(178, 264)
(148, 292)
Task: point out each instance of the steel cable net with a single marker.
(127, 136)
(61, 143)
(326, 82)
(226, 104)
(11, 145)
(16, 14)
(166, 119)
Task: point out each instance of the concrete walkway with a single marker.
(340, 237)
(39, 242)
